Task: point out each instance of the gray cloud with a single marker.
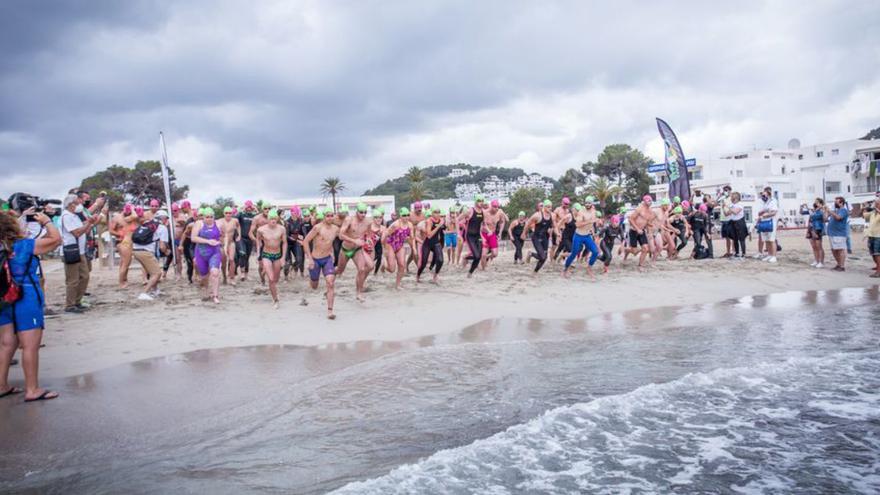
(295, 91)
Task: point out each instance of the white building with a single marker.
(459, 172)
(387, 202)
(798, 175)
(494, 187)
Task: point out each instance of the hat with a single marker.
(273, 214)
(139, 210)
(664, 202)
(185, 204)
(521, 214)
(598, 214)
(248, 204)
(578, 207)
(547, 202)
(362, 207)
(677, 199)
(154, 203)
(162, 214)
(565, 200)
(227, 209)
(175, 207)
(436, 209)
(647, 198)
(404, 211)
(589, 199)
(417, 205)
(479, 198)
(127, 209)
(677, 210)
(495, 203)
(329, 211)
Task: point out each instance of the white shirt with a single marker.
(737, 212)
(160, 235)
(768, 206)
(70, 222)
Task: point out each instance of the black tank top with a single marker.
(570, 227)
(475, 222)
(542, 228)
(518, 230)
(245, 219)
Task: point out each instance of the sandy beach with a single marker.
(120, 329)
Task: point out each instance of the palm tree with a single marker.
(415, 174)
(416, 192)
(332, 186)
(603, 190)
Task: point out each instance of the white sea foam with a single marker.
(740, 425)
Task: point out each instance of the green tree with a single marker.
(220, 203)
(624, 167)
(415, 174)
(605, 193)
(524, 199)
(332, 186)
(567, 184)
(138, 184)
(417, 192)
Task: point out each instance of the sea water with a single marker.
(764, 394)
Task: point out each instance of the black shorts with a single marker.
(636, 239)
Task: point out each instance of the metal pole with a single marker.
(167, 184)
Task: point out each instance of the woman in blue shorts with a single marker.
(21, 322)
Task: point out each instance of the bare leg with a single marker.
(331, 295)
(343, 262)
(214, 284)
(30, 363)
(8, 345)
(401, 265)
(269, 268)
(362, 262)
(124, 264)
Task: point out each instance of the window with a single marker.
(748, 213)
(847, 169)
(782, 157)
(783, 170)
(835, 152)
(832, 187)
(739, 173)
(789, 195)
(811, 189)
(800, 157)
(848, 188)
(766, 157)
(820, 154)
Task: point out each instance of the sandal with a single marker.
(11, 391)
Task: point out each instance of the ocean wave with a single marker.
(761, 428)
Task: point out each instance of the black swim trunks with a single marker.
(636, 239)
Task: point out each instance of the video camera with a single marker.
(23, 201)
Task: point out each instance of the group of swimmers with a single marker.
(324, 241)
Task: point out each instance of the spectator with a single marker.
(149, 241)
(837, 227)
(737, 229)
(76, 265)
(767, 216)
(21, 324)
(815, 232)
(723, 201)
(872, 216)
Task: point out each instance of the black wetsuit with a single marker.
(609, 234)
(565, 244)
(541, 240)
(474, 238)
(433, 245)
(517, 241)
(682, 233)
(699, 224)
(305, 228)
(295, 254)
(245, 246)
(189, 250)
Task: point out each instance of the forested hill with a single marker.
(873, 134)
(436, 182)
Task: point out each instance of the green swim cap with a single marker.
(598, 214)
(362, 207)
(664, 201)
(521, 214)
(677, 210)
(342, 209)
(319, 216)
(273, 214)
(677, 199)
(404, 211)
(578, 207)
(547, 202)
(228, 209)
(380, 209)
(5, 207)
(479, 198)
(622, 209)
(436, 209)
(328, 211)
(590, 199)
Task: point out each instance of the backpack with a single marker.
(144, 234)
(10, 291)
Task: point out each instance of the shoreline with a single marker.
(119, 329)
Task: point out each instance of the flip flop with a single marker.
(11, 391)
(43, 396)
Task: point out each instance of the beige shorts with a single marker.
(149, 262)
(838, 242)
(768, 236)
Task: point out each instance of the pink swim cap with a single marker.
(417, 205)
(234, 211)
(566, 201)
(295, 210)
(174, 207)
(248, 204)
(704, 208)
(647, 198)
(685, 204)
(127, 209)
(615, 218)
(185, 204)
(154, 202)
(139, 211)
(495, 203)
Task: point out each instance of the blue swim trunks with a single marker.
(450, 239)
(28, 311)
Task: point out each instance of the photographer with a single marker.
(723, 202)
(871, 214)
(23, 206)
(89, 209)
(816, 230)
(21, 322)
(76, 265)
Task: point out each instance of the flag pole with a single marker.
(166, 183)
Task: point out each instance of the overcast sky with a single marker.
(264, 99)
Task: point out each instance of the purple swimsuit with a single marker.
(208, 257)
